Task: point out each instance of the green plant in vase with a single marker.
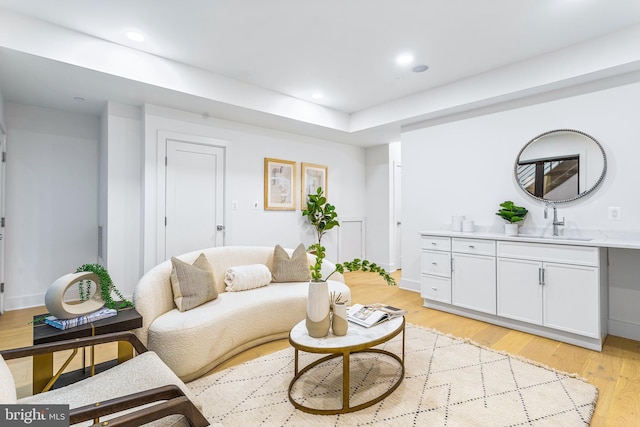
(323, 217)
(513, 215)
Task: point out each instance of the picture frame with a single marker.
(313, 176)
(279, 185)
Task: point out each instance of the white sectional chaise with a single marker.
(193, 342)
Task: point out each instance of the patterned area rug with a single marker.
(447, 382)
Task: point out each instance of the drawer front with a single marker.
(437, 263)
(566, 254)
(436, 288)
(436, 243)
(474, 246)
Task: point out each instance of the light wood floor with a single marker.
(615, 371)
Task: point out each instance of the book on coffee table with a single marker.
(372, 314)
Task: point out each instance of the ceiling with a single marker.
(284, 51)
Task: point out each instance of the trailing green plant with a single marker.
(323, 217)
(511, 212)
(106, 287)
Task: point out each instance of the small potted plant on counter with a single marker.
(513, 215)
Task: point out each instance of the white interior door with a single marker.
(194, 198)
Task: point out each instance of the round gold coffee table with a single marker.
(357, 340)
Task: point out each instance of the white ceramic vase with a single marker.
(318, 319)
(339, 323)
(511, 229)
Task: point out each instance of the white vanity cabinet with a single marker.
(435, 266)
(557, 290)
(556, 286)
(461, 272)
(473, 276)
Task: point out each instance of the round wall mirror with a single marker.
(560, 166)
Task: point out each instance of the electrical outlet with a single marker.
(615, 213)
(234, 205)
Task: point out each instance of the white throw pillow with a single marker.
(245, 277)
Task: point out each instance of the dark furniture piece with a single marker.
(126, 320)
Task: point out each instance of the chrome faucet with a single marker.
(556, 223)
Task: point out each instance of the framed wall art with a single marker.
(313, 176)
(279, 185)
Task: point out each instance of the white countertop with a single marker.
(598, 238)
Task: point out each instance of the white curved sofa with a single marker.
(193, 342)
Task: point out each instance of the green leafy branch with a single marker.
(322, 215)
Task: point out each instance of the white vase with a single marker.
(339, 324)
(511, 229)
(318, 319)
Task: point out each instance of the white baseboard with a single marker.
(409, 285)
(624, 329)
(26, 301)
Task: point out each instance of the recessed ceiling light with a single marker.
(135, 36)
(420, 68)
(317, 95)
(404, 59)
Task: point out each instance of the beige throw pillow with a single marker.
(290, 269)
(193, 284)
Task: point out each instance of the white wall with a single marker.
(247, 146)
(51, 199)
(121, 202)
(466, 166)
(378, 207)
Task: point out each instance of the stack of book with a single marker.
(372, 314)
(81, 320)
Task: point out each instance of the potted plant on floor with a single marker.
(323, 217)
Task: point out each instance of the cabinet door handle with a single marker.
(434, 243)
(434, 288)
(472, 247)
(541, 276)
(434, 263)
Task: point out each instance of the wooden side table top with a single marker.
(127, 319)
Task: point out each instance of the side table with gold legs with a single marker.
(43, 376)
